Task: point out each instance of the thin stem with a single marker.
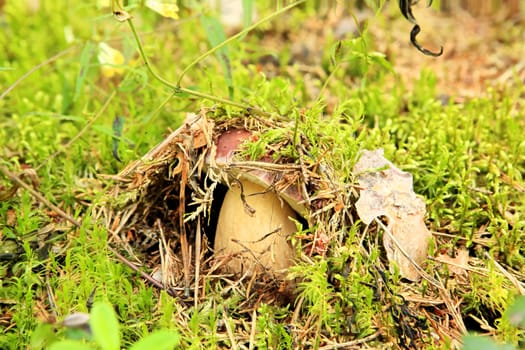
(146, 59)
(235, 37)
(34, 69)
(218, 99)
(17, 181)
(177, 89)
(327, 80)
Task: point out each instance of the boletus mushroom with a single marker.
(254, 227)
(255, 221)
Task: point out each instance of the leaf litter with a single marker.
(387, 191)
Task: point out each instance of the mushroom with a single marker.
(256, 238)
(254, 223)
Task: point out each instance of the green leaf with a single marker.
(78, 333)
(105, 327)
(215, 33)
(478, 342)
(516, 312)
(158, 340)
(42, 336)
(247, 13)
(85, 60)
(118, 125)
(67, 93)
(70, 344)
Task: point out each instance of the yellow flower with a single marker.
(164, 8)
(111, 60)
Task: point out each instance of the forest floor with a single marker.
(86, 219)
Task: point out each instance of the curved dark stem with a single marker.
(406, 10)
(415, 31)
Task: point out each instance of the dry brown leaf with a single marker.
(457, 265)
(11, 218)
(387, 191)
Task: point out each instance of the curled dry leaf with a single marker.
(458, 264)
(387, 191)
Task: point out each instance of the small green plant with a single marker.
(476, 342)
(101, 330)
(515, 315)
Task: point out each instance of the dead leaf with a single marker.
(387, 191)
(8, 193)
(456, 265)
(11, 218)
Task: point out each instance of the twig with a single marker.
(478, 270)
(165, 257)
(507, 274)
(177, 88)
(184, 246)
(304, 175)
(17, 180)
(230, 333)
(445, 294)
(147, 277)
(253, 329)
(349, 344)
(123, 16)
(252, 253)
(257, 165)
(51, 297)
(197, 261)
(297, 310)
(277, 230)
(420, 270)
